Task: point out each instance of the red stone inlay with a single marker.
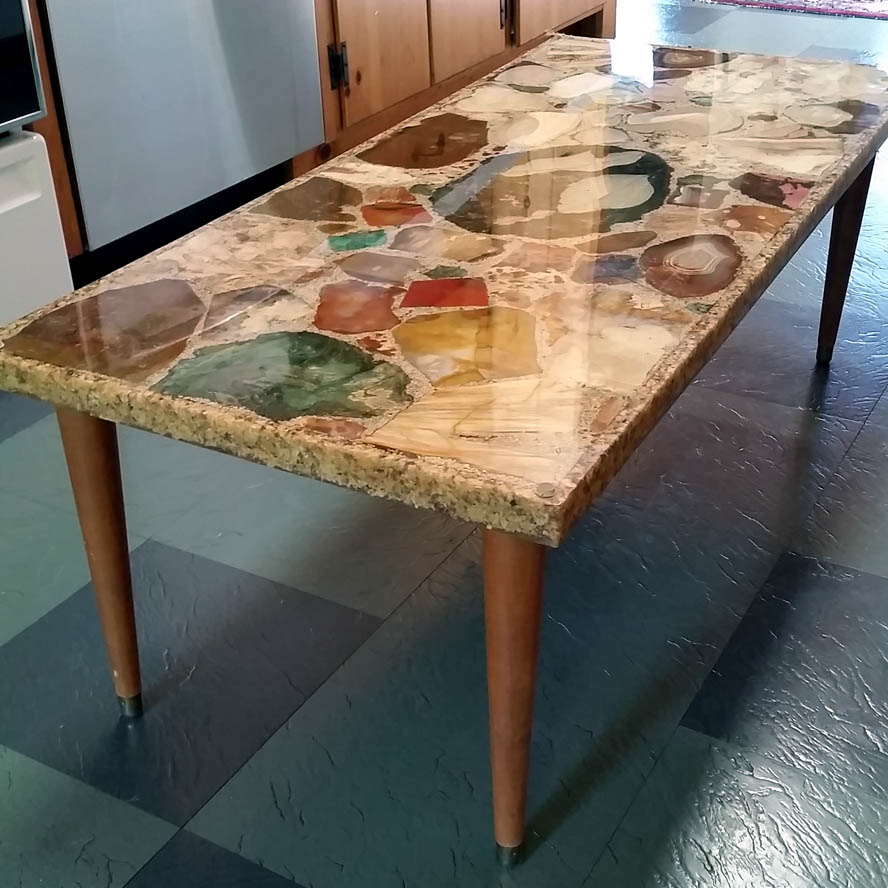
(446, 293)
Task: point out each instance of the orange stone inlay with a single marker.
(446, 293)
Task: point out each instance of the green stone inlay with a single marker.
(423, 190)
(285, 375)
(699, 307)
(357, 240)
(446, 271)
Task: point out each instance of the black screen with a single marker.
(18, 89)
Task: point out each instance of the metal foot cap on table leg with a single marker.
(507, 857)
(131, 707)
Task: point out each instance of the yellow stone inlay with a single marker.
(459, 347)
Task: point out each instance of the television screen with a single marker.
(20, 99)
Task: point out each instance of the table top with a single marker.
(485, 310)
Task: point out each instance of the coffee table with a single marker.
(483, 311)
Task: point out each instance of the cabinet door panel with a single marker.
(537, 16)
(464, 33)
(388, 53)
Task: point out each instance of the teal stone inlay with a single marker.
(357, 240)
(285, 375)
(446, 271)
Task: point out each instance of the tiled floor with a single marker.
(713, 698)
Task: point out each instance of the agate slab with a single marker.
(485, 309)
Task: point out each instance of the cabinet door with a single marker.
(388, 53)
(464, 33)
(537, 16)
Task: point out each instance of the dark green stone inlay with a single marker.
(285, 375)
(446, 271)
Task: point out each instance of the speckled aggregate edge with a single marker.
(461, 490)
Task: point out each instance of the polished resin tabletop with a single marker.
(485, 310)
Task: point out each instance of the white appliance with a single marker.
(33, 263)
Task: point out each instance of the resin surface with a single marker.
(486, 309)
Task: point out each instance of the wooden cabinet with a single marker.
(404, 55)
(464, 33)
(387, 45)
(537, 16)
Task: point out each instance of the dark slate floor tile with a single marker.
(879, 416)
(226, 656)
(770, 356)
(188, 861)
(382, 778)
(714, 816)
(747, 465)
(803, 679)
(849, 523)
(18, 412)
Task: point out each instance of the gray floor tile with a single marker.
(689, 19)
(644, 22)
(669, 24)
(803, 678)
(716, 816)
(342, 545)
(866, 37)
(837, 53)
(758, 30)
(383, 777)
(56, 832)
(226, 656)
(18, 412)
(42, 561)
(32, 465)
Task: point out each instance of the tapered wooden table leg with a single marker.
(94, 466)
(847, 218)
(513, 587)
